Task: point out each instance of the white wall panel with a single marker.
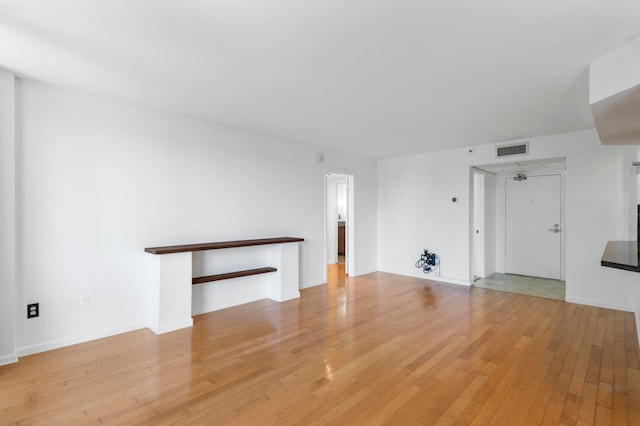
(99, 180)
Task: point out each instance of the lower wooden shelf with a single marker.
(229, 275)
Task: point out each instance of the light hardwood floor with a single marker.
(376, 349)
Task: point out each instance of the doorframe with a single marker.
(561, 173)
(489, 240)
(478, 266)
(350, 255)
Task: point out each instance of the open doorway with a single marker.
(483, 236)
(478, 226)
(339, 238)
(528, 255)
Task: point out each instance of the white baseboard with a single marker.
(8, 359)
(290, 296)
(599, 304)
(448, 280)
(365, 272)
(55, 344)
(416, 274)
(311, 284)
(172, 326)
(431, 276)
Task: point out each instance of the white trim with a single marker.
(448, 280)
(351, 226)
(598, 304)
(34, 349)
(325, 258)
(172, 326)
(8, 359)
(312, 284)
(365, 272)
(430, 277)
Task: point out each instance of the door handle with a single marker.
(556, 228)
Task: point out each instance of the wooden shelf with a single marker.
(221, 245)
(173, 282)
(229, 275)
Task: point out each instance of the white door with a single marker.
(533, 226)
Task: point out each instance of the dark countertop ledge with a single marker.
(221, 245)
(621, 255)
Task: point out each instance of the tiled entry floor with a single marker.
(532, 286)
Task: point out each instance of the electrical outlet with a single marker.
(85, 302)
(33, 310)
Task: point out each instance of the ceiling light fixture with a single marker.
(520, 177)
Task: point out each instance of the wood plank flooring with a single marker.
(376, 349)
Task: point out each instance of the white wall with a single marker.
(598, 208)
(416, 212)
(99, 180)
(615, 71)
(7, 219)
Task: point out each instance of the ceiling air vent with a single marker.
(509, 150)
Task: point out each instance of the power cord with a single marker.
(429, 262)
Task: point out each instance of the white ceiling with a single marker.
(374, 77)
